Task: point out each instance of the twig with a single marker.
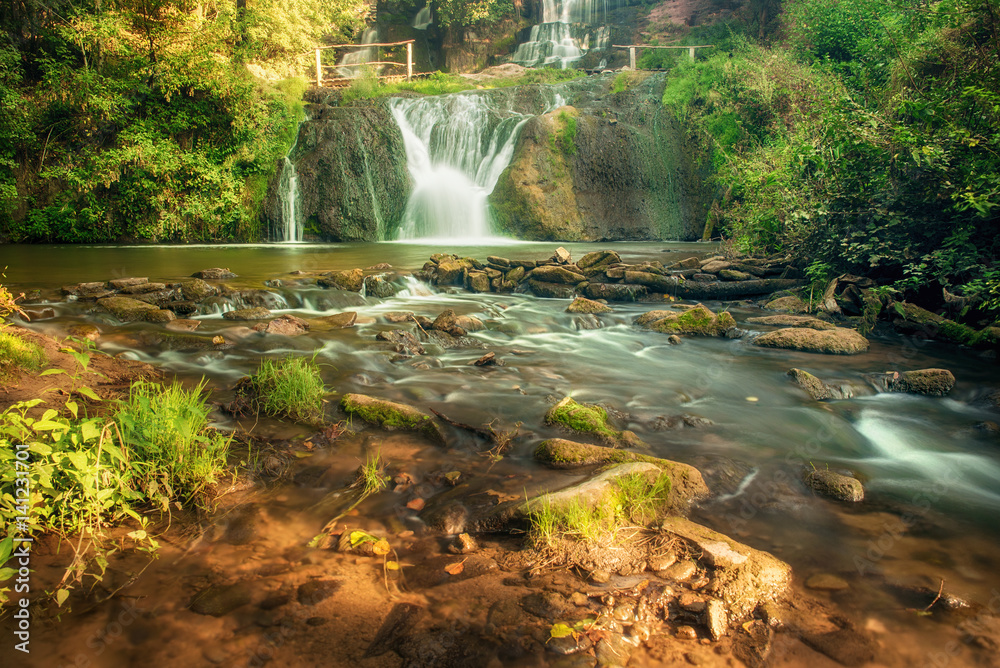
(936, 598)
(417, 323)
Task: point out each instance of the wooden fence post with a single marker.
(691, 52)
(631, 57)
(319, 70)
(409, 60)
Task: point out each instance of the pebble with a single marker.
(579, 599)
(692, 602)
(600, 576)
(681, 571)
(687, 633)
(716, 619)
(663, 562)
(826, 582)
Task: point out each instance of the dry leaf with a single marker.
(218, 340)
(416, 504)
(455, 568)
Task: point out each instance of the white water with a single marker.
(457, 146)
(351, 65)
(423, 18)
(563, 37)
(288, 195)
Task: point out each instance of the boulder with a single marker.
(479, 281)
(391, 416)
(213, 274)
(348, 279)
(255, 313)
(687, 263)
(838, 341)
(584, 305)
(196, 290)
(516, 274)
(337, 320)
(402, 341)
(86, 289)
(551, 290)
(556, 274)
(615, 292)
(590, 419)
(734, 275)
(122, 283)
(714, 266)
(816, 388)
(379, 287)
(835, 485)
(160, 315)
(562, 256)
(598, 259)
(144, 288)
(285, 325)
(698, 320)
(929, 382)
(790, 303)
(793, 321)
(126, 309)
(453, 271)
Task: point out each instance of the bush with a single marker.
(291, 388)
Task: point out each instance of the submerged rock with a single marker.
(816, 388)
(835, 485)
(351, 280)
(285, 325)
(929, 382)
(379, 287)
(698, 320)
(213, 274)
(126, 309)
(402, 341)
(338, 320)
(584, 305)
(391, 416)
(255, 313)
(838, 341)
(219, 600)
(590, 419)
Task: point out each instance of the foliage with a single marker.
(290, 387)
(472, 12)
(174, 453)
(565, 133)
(368, 86)
(17, 353)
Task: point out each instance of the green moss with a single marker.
(586, 419)
(16, 353)
(390, 415)
(698, 321)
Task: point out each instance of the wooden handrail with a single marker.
(362, 46)
(649, 46)
(374, 62)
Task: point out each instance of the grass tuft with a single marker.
(291, 388)
(16, 353)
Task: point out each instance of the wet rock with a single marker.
(391, 416)
(598, 259)
(741, 584)
(337, 320)
(653, 281)
(662, 562)
(562, 256)
(826, 582)
(285, 325)
(790, 303)
(735, 275)
(613, 650)
(687, 633)
(590, 419)
(147, 288)
(681, 571)
(184, 307)
(793, 321)
(351, 280)
(402, 341)
(687, 263)
(569, 645)
(600, 576)
(479, 281)
(316, 591)
(584, 305)
(33, 315)
(396, 626)
(126, 309)
(929, 382)
(673, 339)
(816, 388)
(396, 317)
(917, 320)
(489, 359)
(546, 605)
(847, 646)
(698, 320)
(196, 290)
(714, 265)
(838, 341)
(548, 290)
(835, 485)
(456, 325)
(86, 289)
(219, 600)
(379, 287)
(516, 274)
(716, 619)
(679, 421)
(183, 325)
(214, 274)
(255, 313)
(616, 292)
(692, 602)
(463, 544)
(447, 341)
(89, 332)
(122, 283)
(702, 278)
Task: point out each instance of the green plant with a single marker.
(638, 499)
(174, 452)
(17, 353)
(291, 387)
(372, 475)
(565, 133)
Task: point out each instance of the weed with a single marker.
(291, 388)
(16, 353)
(372, 475)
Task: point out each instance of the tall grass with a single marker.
(16, 353)
(291, 388)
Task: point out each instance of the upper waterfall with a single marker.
(456, 148)
(564, 36)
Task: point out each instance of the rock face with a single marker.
(602, 170)
(838, 341)
(352, 178)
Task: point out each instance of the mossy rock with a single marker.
(196, 290)
(699, 321)
(391, 416)
(837, 341)
(584, 305)
(816, 388)
(255, 313)
(126, 309)
(590, 419)
(793, 321)
(835, 485)
(915, 318)
(789, 303)
(929, 382)
(349, 279)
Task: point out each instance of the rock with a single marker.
(146, 288)
(600, 576)
(653, 281)
(613, 651)
(915, 319)
(463, 544)
(816, 388)
(584, 305)
(589, 419)
(673, 339)
(826, 582)
(214, 274)
(391, 416)
(255, 313)
(337, 320)
(489, 359)
(687, 263)
(714, 265)
(696, 290)
(285, 325)
(160, 315)
(703, 278)
(662, 562)
(616, 292)
(698, 320)
(449, 322)
(791, 304)
(84, 331)
(716, 619)
(86, 289)
(687, 633)
(793, 321)
(835, 485)
(402, 341)
(838, 341)
(351, 280)
(598, 259)
(681, 571)
(479, 281)
(596, 490)
(196, 290)
(316, 591)
(555, 274)
(184, 307)
(122, 283)
(126, 309)
(562, 256)
(551, 290)
(219, 600)
(687, 484)
(734, 275)
(846, 646)
(452, 272)
(929, 382)
(516, 275)
(379, 287)
(692, 602)
(742, 586)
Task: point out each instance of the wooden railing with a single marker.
(320, 79)
(632, 47)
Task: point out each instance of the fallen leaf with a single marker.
(392, 565)
(218, 340)
(415, 504)
(381, 547)
(561, 630)
(455, 568)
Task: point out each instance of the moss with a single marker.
(16, 353)
(937, 326)
(391, 416)
(697, 321)
(589, 419)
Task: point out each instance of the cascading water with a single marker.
(456, 148)
(423, 18)
(351, 65)
(563, 37)
(288, 194)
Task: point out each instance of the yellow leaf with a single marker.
(381, 547)
(561, 631)
(455, 568)
(61, 596)
(392, 565)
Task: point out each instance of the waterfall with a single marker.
(456, 148)
(351, 65)
(288, 194)
(563, 36)
(423, 18)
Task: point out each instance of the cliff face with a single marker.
(611, 167)
(352, 178)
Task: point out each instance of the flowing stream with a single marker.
(565, 34)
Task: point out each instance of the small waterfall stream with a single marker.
(564, 36)
(456, 148)
(351, 65)
(288, 196)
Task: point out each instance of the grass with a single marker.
(372, 476)
(291, 388)
(174, 452)
(634, 500)
(367, 86)
(16, 353)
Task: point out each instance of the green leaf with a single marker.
(51, 372)
(561, 630)
(7, 573)
(61, 596)
(89, 393)
(73, 407)
(6, 548)
(40, 448)
(137, 535)
(48, 425)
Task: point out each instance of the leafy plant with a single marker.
(291, 387)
